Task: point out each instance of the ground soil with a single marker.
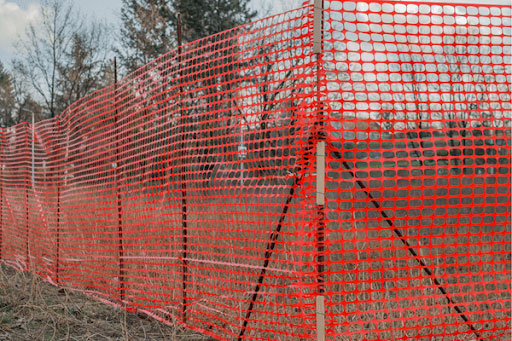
(31, 309)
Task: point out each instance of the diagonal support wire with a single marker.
(268, 253)
(271, 244)
(275, 235)
(411, 250)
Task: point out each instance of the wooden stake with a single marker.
(320, 173)
(320, 318)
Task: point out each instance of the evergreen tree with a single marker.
(149, 26)
(149, 30)
(211, 114)
(7, 99)
(146, 33)
(201, 18)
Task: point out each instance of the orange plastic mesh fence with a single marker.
(189, 190)
(418, 120)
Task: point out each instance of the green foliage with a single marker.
(7, 98)
(146, 32)
(149, 26)
(201, 18)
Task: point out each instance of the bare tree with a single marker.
(16, 103)
(84, 64)
(60, 56)
(43, 47)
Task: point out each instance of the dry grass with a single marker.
(31, 309)
(227, 241)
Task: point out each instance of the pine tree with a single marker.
(211, 113)
(149, 26)
(201, 18)
(6, 98)
(146, 33)
(149, 30)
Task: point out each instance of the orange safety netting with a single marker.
(188, 190)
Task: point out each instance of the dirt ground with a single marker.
(31, 309)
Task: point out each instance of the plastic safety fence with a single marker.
(418, 119)
(189, 190)
(180, 191)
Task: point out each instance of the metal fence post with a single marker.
(25, 184)
(117, 177)
(57, 178)
(183, 177)
(2, 165)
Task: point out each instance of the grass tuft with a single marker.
(31, 309)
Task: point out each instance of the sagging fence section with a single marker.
(341, 171)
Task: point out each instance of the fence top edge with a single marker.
(67, 112)
(501, 3)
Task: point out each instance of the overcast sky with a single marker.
(15, 15)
